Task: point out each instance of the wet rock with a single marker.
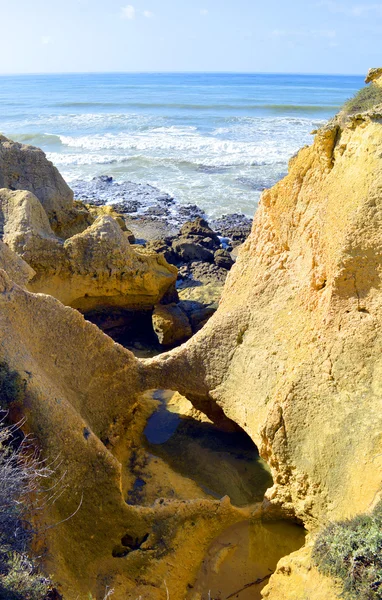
(171, 324)
(236, 227)
(104, 178)
(223, 259)
(189, 211)
(157, 211)
(199, 227)
(125, 207)
(207, 273)
(209, 243)
(188, 249)
(161, 247)
(105, 190)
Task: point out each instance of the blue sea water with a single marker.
(215, 140)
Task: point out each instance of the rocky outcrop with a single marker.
(223, 259)
(79, 395)
(375, 76)
(293, 352)
(25, 167)
(292, 356)
(93, 269)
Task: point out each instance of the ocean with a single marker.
(215, 140)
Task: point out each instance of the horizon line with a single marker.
(302, 73)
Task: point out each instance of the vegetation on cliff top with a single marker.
(365, 99)
(351, 551)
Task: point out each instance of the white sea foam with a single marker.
(223, 169)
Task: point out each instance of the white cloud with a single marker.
(46, 39)
(148, 14)
(304, 33)
(204, 12)
(355, 10)
(128, 12)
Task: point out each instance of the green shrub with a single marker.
(351, 551)
(22, 581)
(365, 99)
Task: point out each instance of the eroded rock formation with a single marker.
(293, 353)
(79, 394)
(25, 167)
(95, 268)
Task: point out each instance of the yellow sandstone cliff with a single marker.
(293, 354)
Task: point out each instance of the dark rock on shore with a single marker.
(223, 259)
(104, 190)
(202, 273)
(200, 228)
(236, 227)
(189, 249)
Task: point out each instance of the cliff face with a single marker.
(293, 354)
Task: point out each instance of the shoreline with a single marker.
(152, 214)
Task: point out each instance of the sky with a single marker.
(294, 36)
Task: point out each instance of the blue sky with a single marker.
(198, 35)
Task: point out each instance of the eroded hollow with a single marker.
(187, 457)
(241, 560)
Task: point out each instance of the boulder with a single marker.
(188, 250)
(93, 269)
(199, 227)
(25, 167)
(235, 227)
(223, 259)
(161, 247)
(171, 324)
